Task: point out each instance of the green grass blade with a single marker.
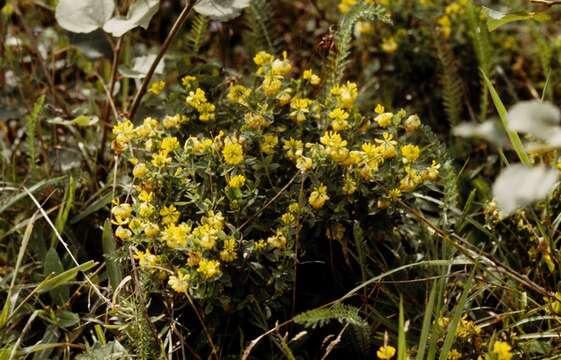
(427, 321)
(14, 199)
(401, 343)
(64, 277)
(512, 135)
(67, 203)
(456, 315)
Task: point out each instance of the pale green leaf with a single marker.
(496, 19)
(139, 14)
(222, 10)
(83, 16)
(518, 186)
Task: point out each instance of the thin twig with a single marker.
(172, 33)
(110, 102)
(205, 330)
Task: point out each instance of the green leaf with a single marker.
(114, 271)
(53, 265)
(67, 319)
(518, 186)
(512, 135)
(140, 13)
(13, 199)
(82, 121)
(83, 16)
(401, 342)
(63, 278)
(222, 10)
(140, 67)
(496, 19)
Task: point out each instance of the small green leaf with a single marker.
(63, 278)
(114, 271)
(83, 16)
(53, 265)
(67, 319)
(140, 13)
(496, 19)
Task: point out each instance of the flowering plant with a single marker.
(228, 193)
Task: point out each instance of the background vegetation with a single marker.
(428, 229)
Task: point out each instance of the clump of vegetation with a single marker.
(291, 179)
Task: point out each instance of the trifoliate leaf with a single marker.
(518, 186)
(140, 13)
(222, 10)
(83, 16)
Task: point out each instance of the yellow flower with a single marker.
(379, 109)
(160, 159)
(271, 85)
(157, 87)
(169, 144)
(318, 197)
(412, 123)
(278, 240)
(385, 352)
(175, 236)
(311, 77)
(445, 26)
(346, 5)
(209, 268)
(139, 170)
(233, 152)
(281, 67)
(294, 148)
(363, 28)
(300, 108)
(304, 163)
(255, 121)
(237, 181)
(454, 355)
(349, 186)
(502, 350)
(196, 98)
(151, 230)
(187, 80)
(146, 259)
(268, 144)
(229, 251)
(145, 210)
(122, 211)
(263, 58)
(238, 94)
(179, 283)
(288, 218)
(170, 122)
(431, 173)
(410, 153)
(339, 119)
(145, 196)
(169, 215)
(387, 146)
(389, 45)
(345, 94)
(384, 120)
(123, 233)
(333, 139)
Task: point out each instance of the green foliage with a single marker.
(338, 312)
(31, 131)
(451, 83)
(338, 59)
(260, 19)
(198, 31)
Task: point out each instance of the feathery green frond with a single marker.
(338, 58)
(31, 121)
(321, 316)
(197, 33)
(451, 83)
(259, 18)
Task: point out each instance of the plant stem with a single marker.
(171, 35)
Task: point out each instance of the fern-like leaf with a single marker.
(338, 58)
(263, 35)
(197, 33)
(451, 83)
(321, 316)
(31, 121)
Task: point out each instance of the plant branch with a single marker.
(171, 35)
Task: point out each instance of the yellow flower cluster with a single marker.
(197, 99)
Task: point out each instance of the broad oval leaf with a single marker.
(518, 186)
(489, 130)
(222, 10)
(83, 16)
(140, 13)
(540, 119)
(140, 67)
